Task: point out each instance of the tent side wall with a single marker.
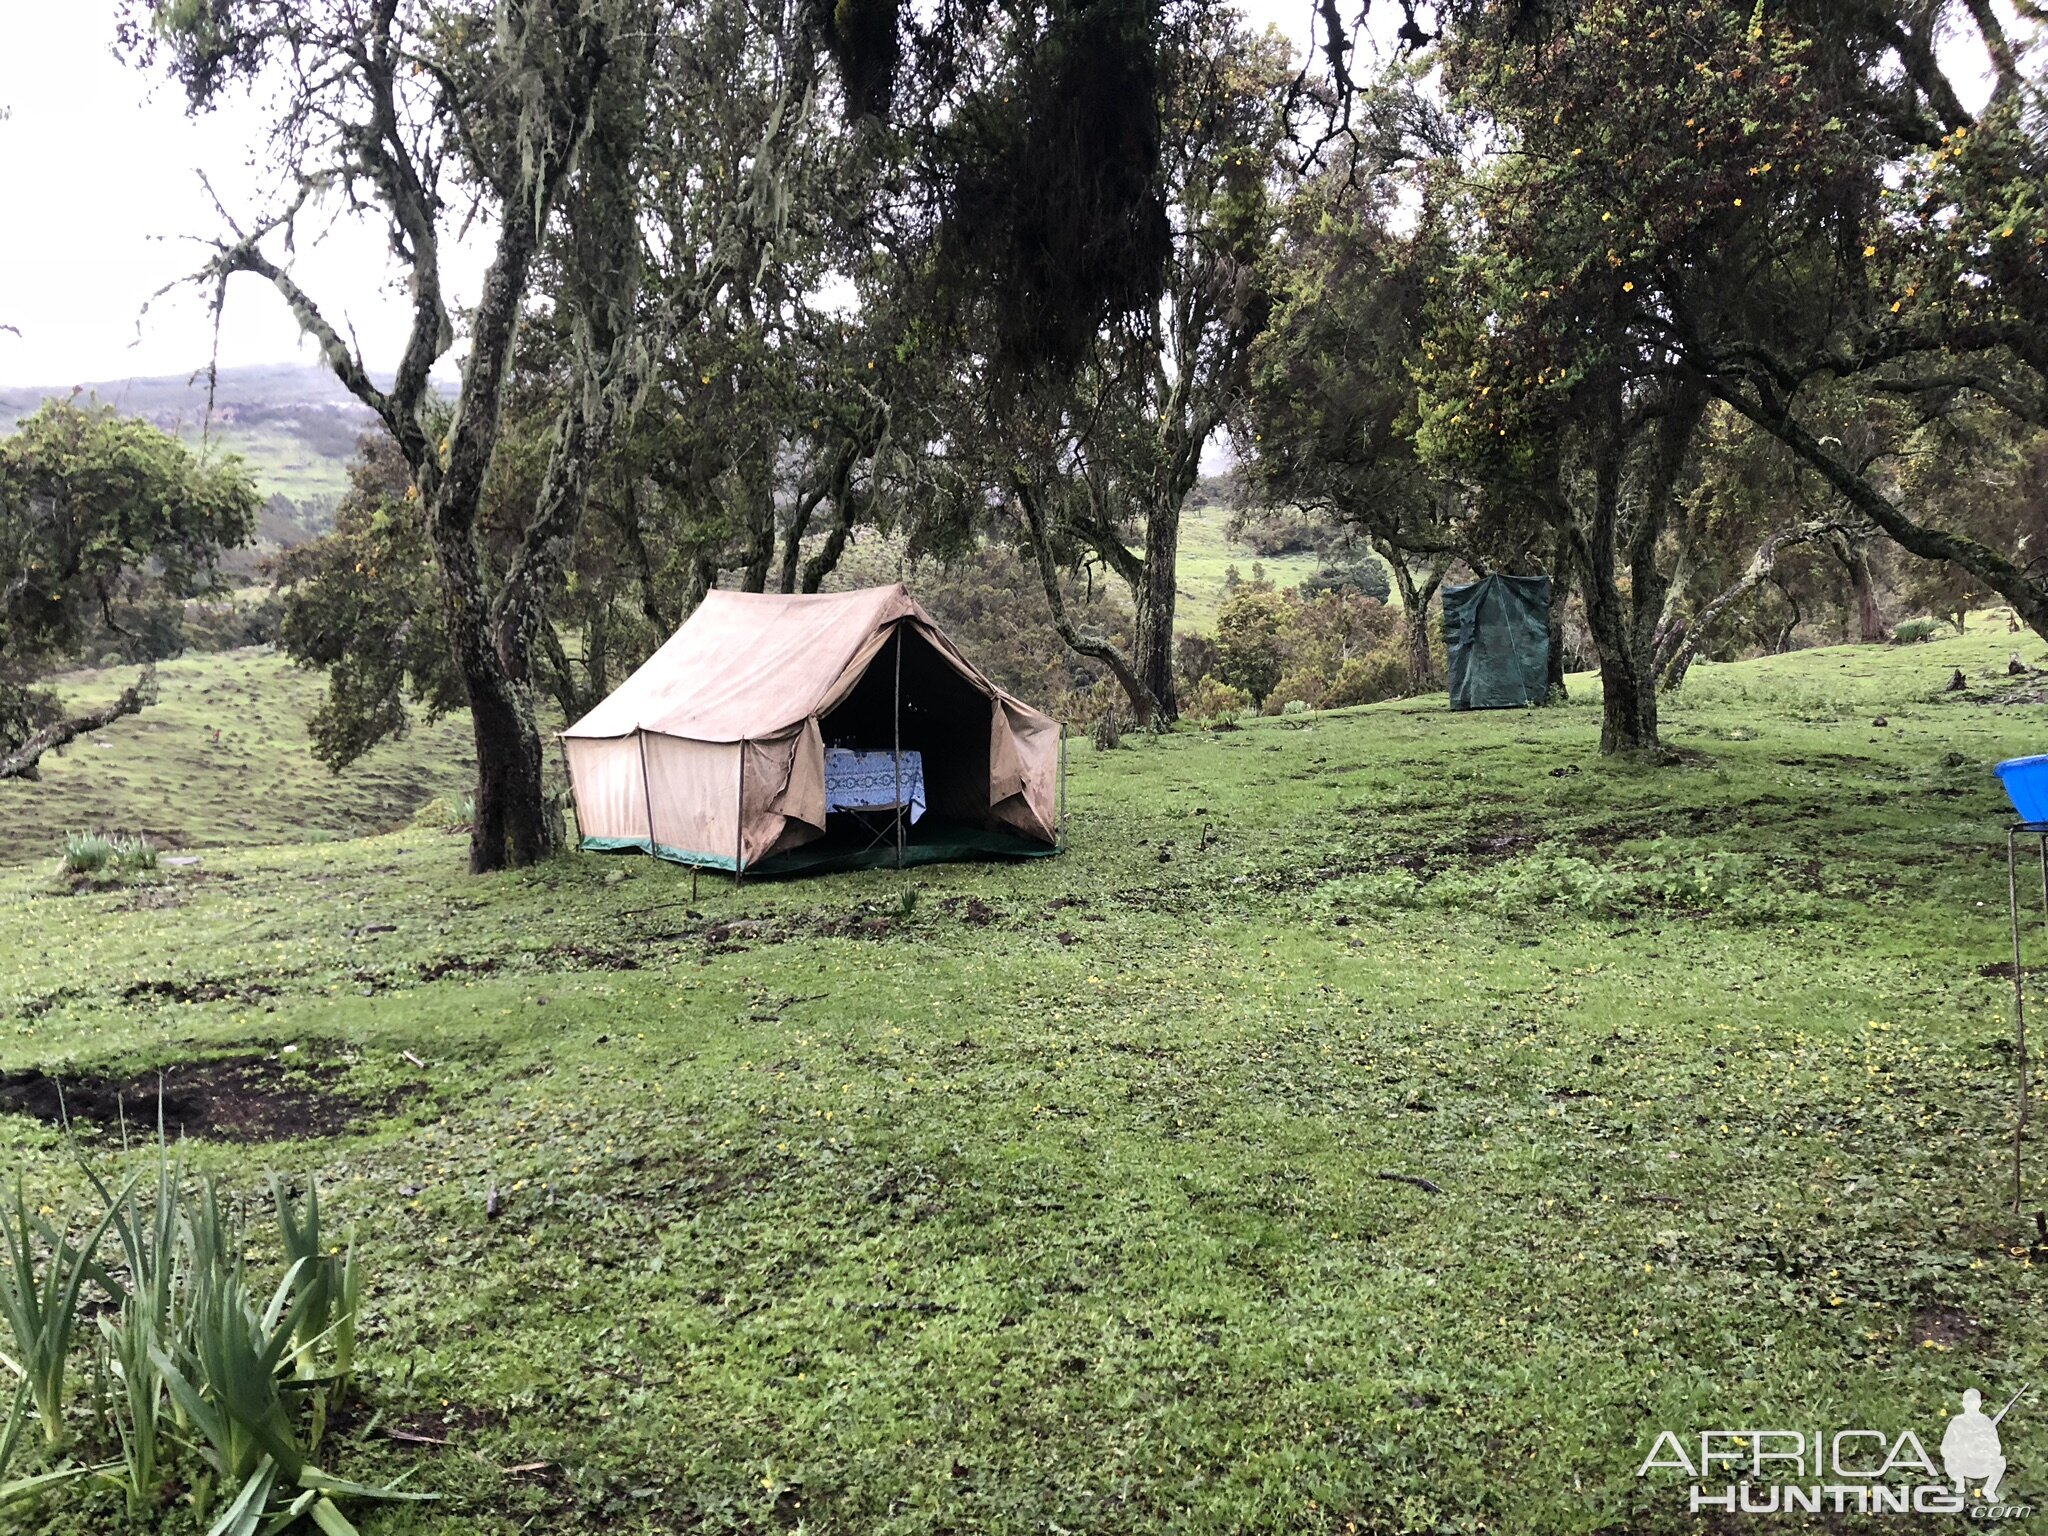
(611, 795)
(695, 787)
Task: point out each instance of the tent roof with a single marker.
(750, 665)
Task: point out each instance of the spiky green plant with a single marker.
(87, 853)
(329, 1295)
(230, 1378)
(17, 1490)
(134, 855)
(40, 1280)
(149, 1225)
(137, 1400)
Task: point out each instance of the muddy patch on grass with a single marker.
(202, 989)
(251, 1098)
(458, 965)
(1943, 1325)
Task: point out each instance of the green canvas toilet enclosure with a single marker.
(1497, 637)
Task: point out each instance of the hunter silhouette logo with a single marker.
(1970, 1452)
(1771, 1471)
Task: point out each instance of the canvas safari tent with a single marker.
(715, 752)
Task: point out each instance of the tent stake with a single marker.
(896, 751)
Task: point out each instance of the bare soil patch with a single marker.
(252, 1098)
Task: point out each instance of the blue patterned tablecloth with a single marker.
(866, 781)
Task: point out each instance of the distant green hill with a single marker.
(294, 423)
(222, 759)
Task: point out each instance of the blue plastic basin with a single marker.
(2026, 785)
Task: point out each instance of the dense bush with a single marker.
(1211, 699)
(1324, 650)
(1362, 574)
(1282, 531)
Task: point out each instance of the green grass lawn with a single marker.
(1060, 1198)
(1206, 555)
(161, 772)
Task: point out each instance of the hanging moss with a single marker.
(1056, 213)
(867, 45)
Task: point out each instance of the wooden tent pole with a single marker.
(739, 830)
(896, 742)
(646, 793)
(569, 774)
(1060, 840)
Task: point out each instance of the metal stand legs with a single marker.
(2019, 977)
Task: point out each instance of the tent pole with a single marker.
(1060, 839)
(896, 744)
(739, 829)
(569, 775)
(646, 794)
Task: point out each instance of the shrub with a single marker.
(1213, 699)
(1251, 632)
(1298, 686)
(1383, 674)
(133, 855)
(1913, 631)
(93, 853)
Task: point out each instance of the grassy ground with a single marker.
(162, 772)
(1058, 1198)
(1206, 555)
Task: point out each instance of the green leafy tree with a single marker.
(1100, 463)
(1331, 418)
(531, 116)
(1251, 641)
(363, 604)
(103, 519)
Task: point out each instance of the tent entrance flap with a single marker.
(934, 712)
(1497, 640)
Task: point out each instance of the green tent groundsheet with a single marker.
(1497, 635)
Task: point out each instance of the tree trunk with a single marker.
(1869, 622)
(1128, 675)
(23, 762)
(1560, 595)
(1676, 659)
(1628, 686)
(1415, 601)
(1156, 595)
(2027, 593)
(1629, 699)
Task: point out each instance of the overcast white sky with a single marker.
(104, 197)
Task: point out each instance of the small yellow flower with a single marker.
(1628, 287)
(1870, 250)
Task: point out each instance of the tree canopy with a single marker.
(106, 524)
